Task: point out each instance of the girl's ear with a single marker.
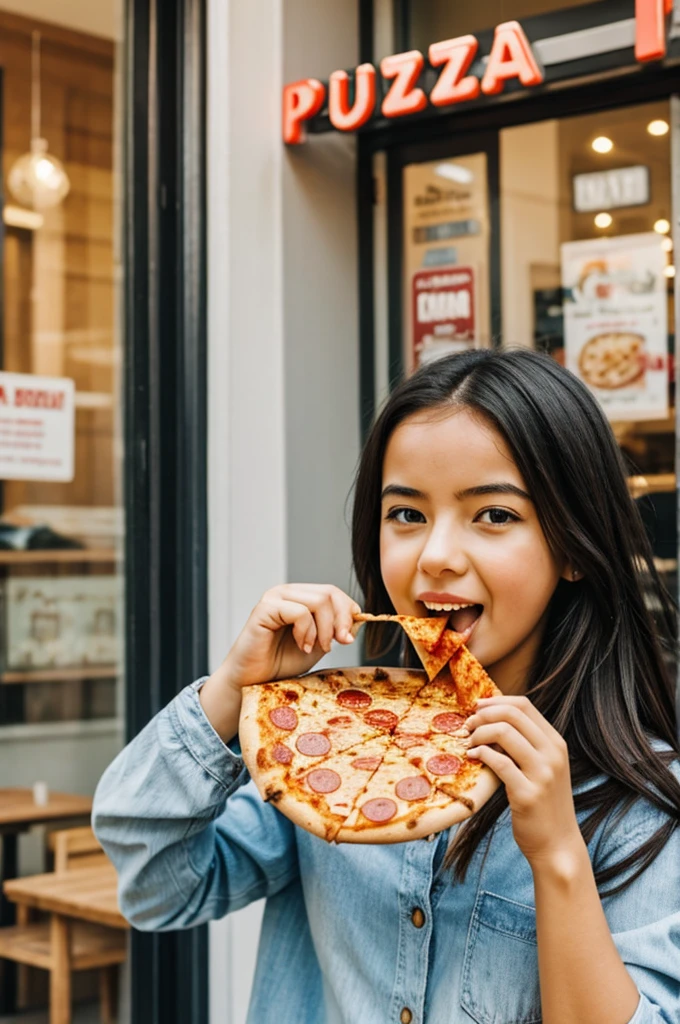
(571, 573)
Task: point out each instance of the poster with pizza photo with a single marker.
(616, 322)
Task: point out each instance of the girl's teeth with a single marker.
(445, 607)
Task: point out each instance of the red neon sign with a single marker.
(511, 57)
(650, 28)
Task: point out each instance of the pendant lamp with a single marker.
(37, 178)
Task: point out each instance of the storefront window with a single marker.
(61, 521)
(430, 20)
(587, 274)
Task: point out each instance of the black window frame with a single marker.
(165, 425)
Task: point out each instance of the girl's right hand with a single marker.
(288, 631)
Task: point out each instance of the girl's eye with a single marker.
(497, 517)
(407, 516)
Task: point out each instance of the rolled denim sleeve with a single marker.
(187, 831)
(645, 918)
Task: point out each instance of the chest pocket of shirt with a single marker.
(500, 971)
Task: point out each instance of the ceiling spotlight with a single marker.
(669, 271)
(602, 144)
(657, 127)
(603, 220)
(662, 226)
(667, 244)
(455, 172)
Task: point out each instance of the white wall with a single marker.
(283, 337)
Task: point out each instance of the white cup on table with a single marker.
(41, 794)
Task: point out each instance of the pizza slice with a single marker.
(425, 631)
(399, 802)
(312, 727)
(434, 643)
(442, 759)
(321, 798)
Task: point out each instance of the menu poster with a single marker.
(616, 322)
(443, 312)
(446, 258)
(37, 432)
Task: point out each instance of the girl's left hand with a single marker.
(534, 765)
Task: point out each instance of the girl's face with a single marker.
(459, 528)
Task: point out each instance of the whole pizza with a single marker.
(372, 755)
(613, 360)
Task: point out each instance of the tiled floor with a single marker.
(85, 1013)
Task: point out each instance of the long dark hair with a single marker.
(602, 677)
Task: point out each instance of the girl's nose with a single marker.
(442, 553)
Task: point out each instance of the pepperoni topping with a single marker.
(379, 810)
(448, 721)
(443, 764)
(367, 764)
(282, 753)
(284, 718)
(407, 740)
(414, 787)
(382, 718)
(324, 780)
(340, 720)
(314, 744)
(354, 699)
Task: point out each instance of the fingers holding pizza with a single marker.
(510, 736)
(289, 630)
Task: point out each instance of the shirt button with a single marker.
(418, 917)
(406, 1016)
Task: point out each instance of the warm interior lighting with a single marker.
(602, 144)
(37, 178)
(662, 226)
(657, 127)
(454, 172)
(667, 244)
(603, 220)
(18, 217)
(669, 271)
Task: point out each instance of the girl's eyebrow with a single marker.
(400, 491)
(497, 488)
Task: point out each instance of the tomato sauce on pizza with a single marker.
(370, 755)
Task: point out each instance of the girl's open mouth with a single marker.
(461, 618)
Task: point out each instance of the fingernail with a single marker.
(472, 751)
(308, 648)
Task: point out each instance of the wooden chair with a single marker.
(41, 944)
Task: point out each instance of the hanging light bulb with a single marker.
(37, 178)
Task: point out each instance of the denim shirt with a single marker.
(192, 840)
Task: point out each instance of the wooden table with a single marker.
(90, 894)
(18, 811)
(87, 894)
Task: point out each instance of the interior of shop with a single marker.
(61, 592)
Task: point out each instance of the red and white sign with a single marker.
(443, 310)
(36, 427)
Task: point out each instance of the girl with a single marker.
(490, 480)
